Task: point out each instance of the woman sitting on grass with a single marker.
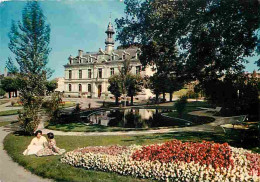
(38, 143)
(51, 148)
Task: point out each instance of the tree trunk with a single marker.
(156, 98)
(116, 100)
(163, 96)
(170, 96)
(132, 100)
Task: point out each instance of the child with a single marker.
(51, 148)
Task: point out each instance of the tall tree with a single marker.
(197, 39)
(29, 41)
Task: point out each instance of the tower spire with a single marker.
(109, 40)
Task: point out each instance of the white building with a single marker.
(87, 74)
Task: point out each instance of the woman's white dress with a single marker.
(35, 145)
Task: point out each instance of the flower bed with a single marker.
(171, 161)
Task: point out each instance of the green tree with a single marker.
(173, 84)
(155, 83)
(114, 87)
(134, 84)
(197, 39)
(2, 92)
(10, 84)
(51, 86)
(29, 41)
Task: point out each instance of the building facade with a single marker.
(87, 74)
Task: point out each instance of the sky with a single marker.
(75, 24)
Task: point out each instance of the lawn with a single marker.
(5, 123)
(50, 167)
(80, 127)
(9, 112)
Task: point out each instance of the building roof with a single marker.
(102, 56)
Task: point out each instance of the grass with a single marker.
(80, 127)
(68, 104)
(4, 123)
(181, 92)
(50, 167)
(9, 112)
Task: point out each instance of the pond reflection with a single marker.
(134, 118)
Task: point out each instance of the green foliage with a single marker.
(114, 86)
(236, 95)
(29, 41)
(53, 107)
(134, 84)
(180, 105)
(2, 92)
(10, 84)
(193, 39)
(11, 67)
(51, 86)
(125, 83)
(29, 117)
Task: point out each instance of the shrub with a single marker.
(29, 117)
(2, 92)
(192, 95)
(180, 105)
(53, 107)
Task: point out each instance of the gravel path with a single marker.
(11, 171)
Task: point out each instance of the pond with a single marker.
(135, 118)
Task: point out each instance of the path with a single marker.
(7, 107)
(11, 171)
(209, 127)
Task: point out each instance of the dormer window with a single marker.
(123, 57)
(113, 57)
(90, 59)
(79, 60)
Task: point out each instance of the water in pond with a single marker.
(134, 118)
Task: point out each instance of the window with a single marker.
(89, 73)
(113, 57)
(69, 87)
(123, 56)
(138, 69)
(112, 71)
(79, 60)
(99, 72)
(80, 74)
(80, 88)
(70, 74)
(89, 88)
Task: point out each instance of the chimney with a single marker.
(80, 53)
